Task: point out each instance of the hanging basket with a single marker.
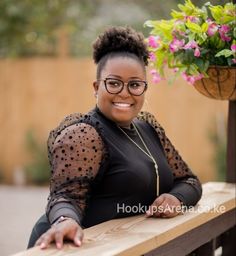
(221, 83)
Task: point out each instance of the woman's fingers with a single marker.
(165, 206)
(45, 239)
(153, 209)
(59, 239)
(78, 237)
(68, 229)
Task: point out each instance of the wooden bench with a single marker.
(200, 229)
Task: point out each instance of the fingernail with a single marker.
(58, 245)
(42, 245)
(78, 242)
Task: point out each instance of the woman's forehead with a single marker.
(124, 65)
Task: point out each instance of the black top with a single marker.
(99, 174)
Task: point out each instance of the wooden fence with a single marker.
(37, 93)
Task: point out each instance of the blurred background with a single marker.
(46, 73)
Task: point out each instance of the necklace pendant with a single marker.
(158, 185)
(156, 167)
(148, 153)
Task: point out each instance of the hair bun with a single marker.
(120, 39)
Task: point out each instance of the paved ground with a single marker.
(20, 207)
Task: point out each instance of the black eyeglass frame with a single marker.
(123, 83)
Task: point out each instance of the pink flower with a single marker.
(152, 56)
(191, 79)
(156, 78)
(197, 52)
(153, 72)
(187, 78)
(199, 77)
(233, 47)
(212, 29)
(191, 45)
(234, 61)
(178, 22)
(192, 19)
(224, 29)
(176, 45)
(153, 41)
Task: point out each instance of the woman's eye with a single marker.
(134, 85)
(114, 83)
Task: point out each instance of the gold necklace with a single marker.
(148, 153)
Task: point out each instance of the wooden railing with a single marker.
(199, 231)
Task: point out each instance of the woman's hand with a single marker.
(68, 229)
(166, 206)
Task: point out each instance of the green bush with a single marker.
(37, 170)
(219, 141)
(1, 176)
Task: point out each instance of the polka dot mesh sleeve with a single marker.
(75, 161)
(181, 172)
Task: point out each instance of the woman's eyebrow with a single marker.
(117, 76)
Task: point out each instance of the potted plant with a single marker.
(199, 44)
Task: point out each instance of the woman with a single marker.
(116, 156)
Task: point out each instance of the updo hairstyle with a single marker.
(122, 42)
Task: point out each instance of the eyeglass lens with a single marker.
(115, 86)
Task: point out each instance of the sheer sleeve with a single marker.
(187, 187)
(75, 159)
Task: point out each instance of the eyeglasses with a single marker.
(115, 86)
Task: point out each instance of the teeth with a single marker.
(124, 105)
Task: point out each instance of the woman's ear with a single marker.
(95, 86)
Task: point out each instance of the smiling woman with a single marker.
(118, 102)
(115, 155)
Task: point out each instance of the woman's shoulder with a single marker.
(74, 118)
(149, 118)
(74, 123)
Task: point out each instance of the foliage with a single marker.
(193, 39)
(38, 170)
(30, 27)
(1, 176)
(219, 141)
(220, 159)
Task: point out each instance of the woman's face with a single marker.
(122, 107)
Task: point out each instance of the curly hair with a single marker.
(119, 41)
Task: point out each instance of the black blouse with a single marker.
(99, 174)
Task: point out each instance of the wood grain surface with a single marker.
(138, 235)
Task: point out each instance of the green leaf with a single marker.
(151, 23)
(216, 12)
(234, 32)
(226, 53)
(194, 27)
(200, 63)
(188, 8)
(177, 15)
(193, 69)
(204, 27)
(160, 56)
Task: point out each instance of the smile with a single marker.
(122, 105)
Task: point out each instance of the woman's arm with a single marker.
(187, 187)
(75, 161)
(75, 158)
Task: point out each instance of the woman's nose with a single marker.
(125, 92)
